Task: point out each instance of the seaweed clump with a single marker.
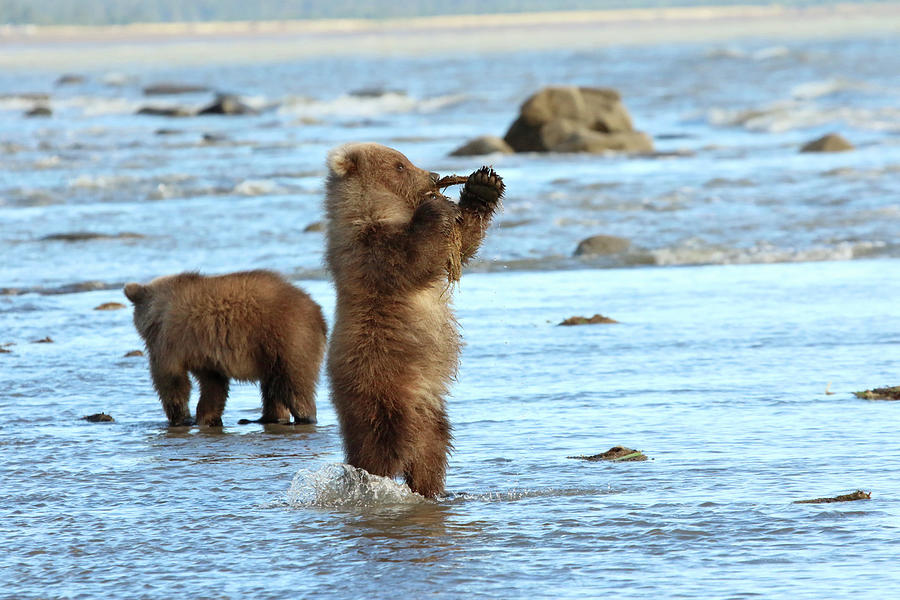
(597, 318)
(615, 454)
(885, 393)
(857, 495)
(98, 418)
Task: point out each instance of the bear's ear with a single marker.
(342, 161)
(136, 292)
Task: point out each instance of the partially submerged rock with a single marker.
(316, 226)
(169, 89)
(575, 119)
(39, 111)
(45, 340)
(615, 454)
(83, 236)
(831, 142)
(228, 104)
(110, 306)
(857, 495)
(885, 393)
(601, 245)
(165, 111)
(597, 318)
(134, 353)
(98, 418)
(70, 79)
(486, 144)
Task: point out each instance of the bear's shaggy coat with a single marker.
(249, 326)
(394, 347)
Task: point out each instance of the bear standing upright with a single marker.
(392, 238)
(249, 326)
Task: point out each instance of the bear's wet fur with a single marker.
(248, 326)
(394, 347)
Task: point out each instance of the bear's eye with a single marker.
(400, 166)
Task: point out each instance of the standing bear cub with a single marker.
(393, 241)
(249, 326)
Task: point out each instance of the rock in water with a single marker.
(228, 104)
(828, 143)
(575, 119)
(167, 89)
(486, 144)
(39, 111)
(602, 244)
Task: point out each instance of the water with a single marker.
(757, 276)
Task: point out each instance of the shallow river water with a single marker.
(759, 292)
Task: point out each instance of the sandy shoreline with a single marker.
(67, 47)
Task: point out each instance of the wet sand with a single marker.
(247, 42)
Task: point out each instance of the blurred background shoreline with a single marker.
(38, 47)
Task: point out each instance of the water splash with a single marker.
(340, 485)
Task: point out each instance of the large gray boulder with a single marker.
(575, 119)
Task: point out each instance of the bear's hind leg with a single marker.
(427, 467)
(174, 391)
(289, 392)
(213, 395)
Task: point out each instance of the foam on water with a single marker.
(340, 485)
(349, 105)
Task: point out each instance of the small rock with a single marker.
(885, 393)
(317, 226)
(4, 350)
(596, 319)
(602, 244)
(615, 454)
(33, 96)
(70, 79)
(83, 236)
(46, 340)
(39, 111)
(828, 143)
(375, 92)
(212, 138)
(857, 495)
(110, 306)
(168, 89)
(165, 131)
(134, 353)
(98, 418)
(486, 144)
(165, 111)
(228, 104)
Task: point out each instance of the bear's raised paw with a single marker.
(483, 190)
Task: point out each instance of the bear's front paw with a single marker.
(482, 191)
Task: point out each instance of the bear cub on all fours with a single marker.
(394, 246)
(249, 326)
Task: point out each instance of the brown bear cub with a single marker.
(249, 326)
(393, 352)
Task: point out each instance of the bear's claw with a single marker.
(483, 189)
